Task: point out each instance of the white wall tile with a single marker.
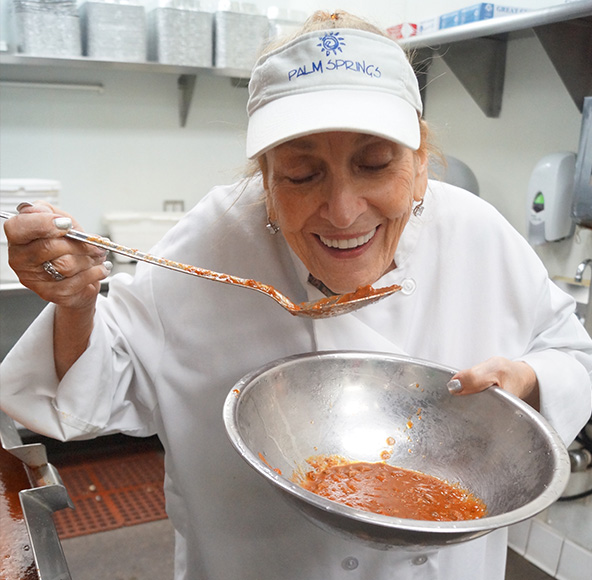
(544, 547)
(518, 536)
(575, 563)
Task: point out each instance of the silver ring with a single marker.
(51, 270)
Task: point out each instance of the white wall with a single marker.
(124, 149)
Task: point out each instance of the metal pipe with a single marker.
(59, 86)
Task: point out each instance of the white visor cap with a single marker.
(333, 80)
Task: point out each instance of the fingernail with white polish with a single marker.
(21, 206)
(454, 386)
(108, 266)
(63, 223)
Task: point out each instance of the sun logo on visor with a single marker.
(331, 43)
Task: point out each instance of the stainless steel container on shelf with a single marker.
(239, 38)
(113, 31)
(181, 37)
(46, 28)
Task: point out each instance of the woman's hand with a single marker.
(35, 237)
(516, 377)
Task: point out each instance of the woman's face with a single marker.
(341, 201)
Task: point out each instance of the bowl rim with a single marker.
(487, 523)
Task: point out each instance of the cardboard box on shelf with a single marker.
(449, 20)
(473, 13)
(403, 30)
(428, 26)
(476, 12)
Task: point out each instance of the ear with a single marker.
(421, 174)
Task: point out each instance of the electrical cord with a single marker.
(576, 496)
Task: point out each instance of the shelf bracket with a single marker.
(240, 82)
(480, 65)
(186, 86)
(569, 48)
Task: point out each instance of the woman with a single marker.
(334, 124)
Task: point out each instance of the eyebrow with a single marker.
(307, 144)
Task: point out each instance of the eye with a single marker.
(375, 158)
(300, 172)
(300, 179)
(374, 167)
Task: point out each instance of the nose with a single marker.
(343, 203)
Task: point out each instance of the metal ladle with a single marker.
(323, 308)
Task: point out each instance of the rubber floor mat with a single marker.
(112, 492)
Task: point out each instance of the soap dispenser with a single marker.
(549, 198)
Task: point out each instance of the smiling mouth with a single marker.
(350, 243)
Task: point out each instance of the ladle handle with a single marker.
(134, 254)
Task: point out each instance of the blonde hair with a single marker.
(322, 20)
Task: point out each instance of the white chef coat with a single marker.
(167, 348)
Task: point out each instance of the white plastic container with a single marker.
(139, 230)
(13, 192)
(549, 198)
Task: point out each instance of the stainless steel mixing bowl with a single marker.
(354, 404)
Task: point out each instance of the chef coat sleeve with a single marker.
(108, 390)
(560, 353)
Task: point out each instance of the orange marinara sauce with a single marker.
(392, 491)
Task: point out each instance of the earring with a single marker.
(272, 227)
(418, 209)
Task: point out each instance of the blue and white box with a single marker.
(499, 11)
(449, 20)
(476, 12)
(428, 26)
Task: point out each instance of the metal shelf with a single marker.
(24, 60)
(39, 72)
(476, 52)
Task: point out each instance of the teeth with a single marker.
(348, 244)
